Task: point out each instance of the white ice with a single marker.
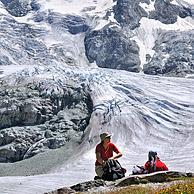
(142, 113)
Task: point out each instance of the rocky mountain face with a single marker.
(129, 13)
(111, 48)
(175, 60)
(174, 54)
(34, 120)
(46, 114)
(18, 8)
(29, 46)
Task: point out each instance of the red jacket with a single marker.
(156, 166)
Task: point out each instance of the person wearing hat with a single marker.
(104, 151)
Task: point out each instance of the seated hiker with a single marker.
(105, 157)
(154, 163)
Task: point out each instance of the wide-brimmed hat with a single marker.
(104, 135)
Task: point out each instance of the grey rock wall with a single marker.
(168, 13)
(34, 120)
(17, 8)
(129, 12)
(71, 23)
(111, 48)
(174, 54)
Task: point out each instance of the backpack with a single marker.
(113, 170)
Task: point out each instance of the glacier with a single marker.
(142, 112)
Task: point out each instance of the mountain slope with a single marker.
(66, 76)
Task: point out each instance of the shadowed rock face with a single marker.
(19, 8)
(129, 12)
(174, 54)
(71, 23)
(176, 59)
(33, 120)
(110, 48)
(167, 13)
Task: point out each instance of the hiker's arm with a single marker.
(118, 155)
(98, 158)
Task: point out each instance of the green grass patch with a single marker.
(179, 188)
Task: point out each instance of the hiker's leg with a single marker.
(99, 170)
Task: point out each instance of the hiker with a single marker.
(104, 153)
(154, 163)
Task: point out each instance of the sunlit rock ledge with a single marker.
(157, 177)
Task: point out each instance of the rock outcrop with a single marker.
(174, 54)
(34, 120)
(71, 23)
(129, 13)
(111, 48)
(19, 8)
(88, 185)
(157, 177)
(62, 191)
(168, 13)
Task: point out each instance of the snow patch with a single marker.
(74, 6)
(146, 34)
(166, 56)
(2, 9)
(185, 2)
(174, 2)
(25, 19)
(101, 10)
(144, 48)
(146, 7)
(6, 70)
(112, 19)
(102, 23)
(182, 24)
